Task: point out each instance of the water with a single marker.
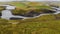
(57, 10)
(6, 14)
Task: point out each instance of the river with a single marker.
(7, 14)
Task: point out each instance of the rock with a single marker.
(32, 14)
(14, 18)
(47, 11)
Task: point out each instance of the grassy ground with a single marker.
(43, 25)
(47, 24)
(32, 4)
(25, 7)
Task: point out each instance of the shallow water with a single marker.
(6, 14)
